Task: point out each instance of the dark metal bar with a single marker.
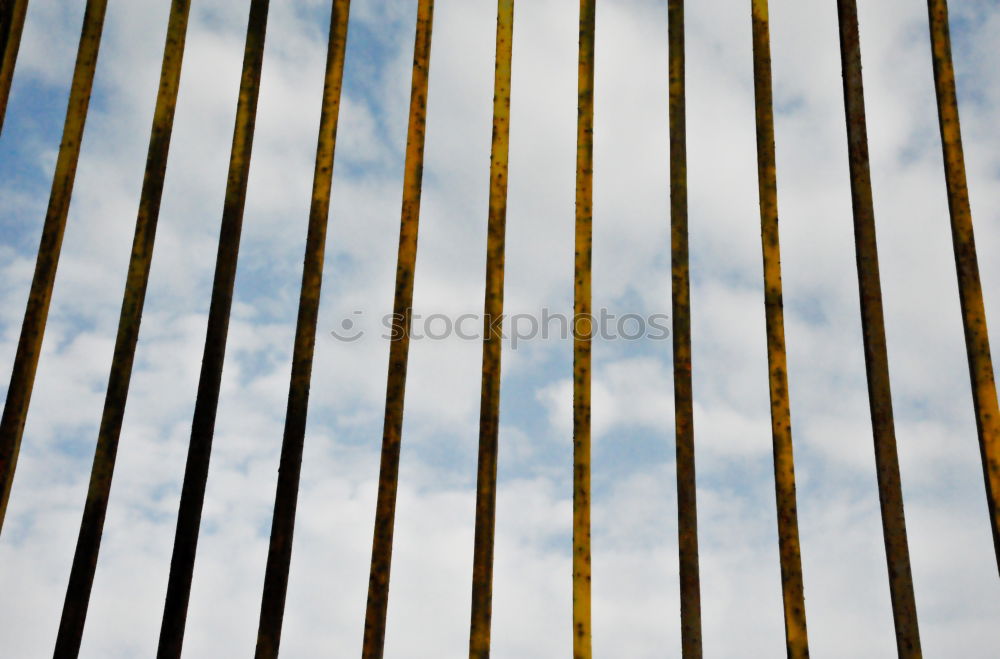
(582, 333)
(489, 407)
(279, 553)
(796, 637)
(29, 346)
(970, 289)
(687, 507)
(207, 400)
(12, 14)
(904, 608)
(91, 528)
(385, 510)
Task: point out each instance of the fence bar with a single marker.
(12, 13)
(489, 406)
(207, 400)
(904, 608)
(91, 528)
(385, 511)
(279, 553)
(582, 333)
(22, 378)
(970, 289)
(796, 638)
(687, 507)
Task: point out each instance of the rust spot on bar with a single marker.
(12, 14)
(970, 289)
(279, 554)
(904, 608)
(29, 345)
(687, 508)
(796, 638)
(489, 408)
(385, 511)
(207, 400)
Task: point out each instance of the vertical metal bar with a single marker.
(91, 528)
(582, 333)
(489, 407)
(22, 378)
(385, 511)
(796, 638)
(279, 554)
(687, 508)
(207, 400)
(12, 14)
(970, 289)
(904, 606)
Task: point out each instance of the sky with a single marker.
(636, 605)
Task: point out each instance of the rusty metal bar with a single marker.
(207, 400)
(970, 289)
(88, 545)
(385, 511)
(904, 608)
(29, 345)
(489, 407)
(279, 553)
(582, 643)
(12, 14)
(796, 637)
(687, 507)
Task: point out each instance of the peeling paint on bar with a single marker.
(489, 408)
(904, 608)
(385, 511)
(793, 597)
(279, 554)
(207, 401)
(970, 289)
(29, 346)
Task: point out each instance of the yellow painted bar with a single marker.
(489, 407)
(279, 555)
(970, 289)
(687, 508)
(29, 346)
(385, 511)
(12, 13)
(796, 638)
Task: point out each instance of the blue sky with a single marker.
(635, 565)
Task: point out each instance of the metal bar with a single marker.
(489, 407)
(904, 608)
(687, 508)
(796, 637)
(385, 511)
(582, 333)
(12, 13)
(970, 289)
(29, 345)
(207, 400)
(88, 545)
(279, 553)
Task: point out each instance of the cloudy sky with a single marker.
(636, 610)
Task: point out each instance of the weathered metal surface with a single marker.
(489, 406)
(904, 606)
(970, 289)
(92, 525)
(687, 508)
(12, 13)
(385, 511)
(207, 400)
(279, 554)
(582, 333)
(793, 597)
(29, 345)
